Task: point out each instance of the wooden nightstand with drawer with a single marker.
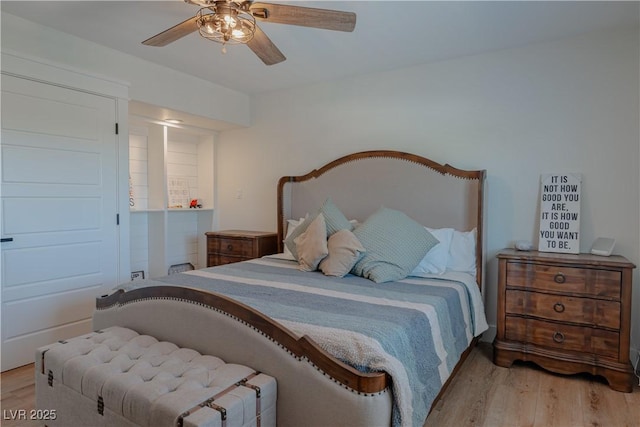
(225, 247)
(566, 313)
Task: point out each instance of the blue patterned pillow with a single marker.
(395, 245)
(334, 218)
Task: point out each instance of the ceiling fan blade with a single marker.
(304, 16)
(262, 46)
(172, 34)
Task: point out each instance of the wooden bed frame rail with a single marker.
(303, 347)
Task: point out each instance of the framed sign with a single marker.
(179, 196)
(560, 213)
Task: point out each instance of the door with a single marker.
(58, 207)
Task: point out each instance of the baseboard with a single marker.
(490, 334)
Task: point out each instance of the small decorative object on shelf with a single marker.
(132, 200)
(194, 204)
(178, 188)
(179, 268)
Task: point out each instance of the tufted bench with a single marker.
(117, 377)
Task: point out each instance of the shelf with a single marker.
(189, 210)
(133, 211)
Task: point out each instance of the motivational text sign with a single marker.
(560, 213)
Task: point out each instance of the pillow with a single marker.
(435, 261)
(334, 218)
(344, 251)
(289, 242)
(394, 244)
(311, 245)
(462, 252)
(291, 225)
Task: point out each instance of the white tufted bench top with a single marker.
(152, 383)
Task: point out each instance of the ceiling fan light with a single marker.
(233, 26)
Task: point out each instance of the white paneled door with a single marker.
(59, 213)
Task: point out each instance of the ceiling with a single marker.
(388, 35)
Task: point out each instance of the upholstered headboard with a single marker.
(434, 195)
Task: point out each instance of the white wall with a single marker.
(168, 88)
(566, 106)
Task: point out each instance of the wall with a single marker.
(566, 106)
(168, 88)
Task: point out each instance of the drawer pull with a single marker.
(558, 337)
(559, 278)
(558, 307)
(229, 247)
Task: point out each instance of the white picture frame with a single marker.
(560, 213)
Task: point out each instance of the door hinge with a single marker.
(116, 129)
(117, 219)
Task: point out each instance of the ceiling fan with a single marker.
(234, 22)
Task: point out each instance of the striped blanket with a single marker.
(415, 329)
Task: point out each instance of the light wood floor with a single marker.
(482, 394)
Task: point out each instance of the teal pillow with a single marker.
(334, 218)
(395, 245)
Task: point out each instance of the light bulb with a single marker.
(210, 27)
(230, 20)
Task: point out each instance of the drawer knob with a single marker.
(229, 247)
(558, 337)
(558, 307)
(559, 278)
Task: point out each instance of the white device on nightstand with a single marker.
(603, 246)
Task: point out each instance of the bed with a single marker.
(376, 347)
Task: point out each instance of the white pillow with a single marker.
(462, 252)
(436, 260)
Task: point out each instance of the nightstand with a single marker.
(566, 313)
(225, 247)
